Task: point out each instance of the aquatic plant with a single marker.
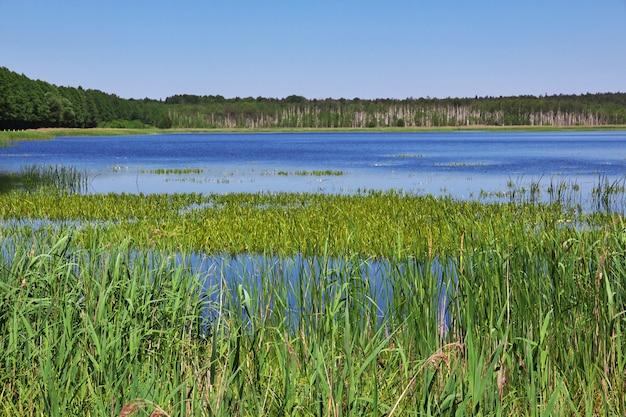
(320, 173)
(408, 155)
(286, 223)
(315, 172)
(466, 164)
(60, 178)
(175, 171)
(302, 304)
(607, 195)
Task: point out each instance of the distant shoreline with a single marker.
(49, 133)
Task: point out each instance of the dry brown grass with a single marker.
(138, 404)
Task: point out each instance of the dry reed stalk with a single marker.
(442, 325)
(461, 252)
(430, 246)
(139, 403)
(443, 354)
(502, 380)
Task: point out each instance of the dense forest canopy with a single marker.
(26, 103)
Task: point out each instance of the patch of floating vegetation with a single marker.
(466, 164)
(173, 171)
(408, 155)
(319, 173)
(314, 173)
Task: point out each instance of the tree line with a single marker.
(26, 103)
(31, 104)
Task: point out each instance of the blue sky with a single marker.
(319, 49)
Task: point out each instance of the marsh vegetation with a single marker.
(297, 303)
(173, 171)
(37, 177)
(378, 303)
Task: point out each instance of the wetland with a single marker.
(431, 273)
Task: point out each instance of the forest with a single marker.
(31, 104)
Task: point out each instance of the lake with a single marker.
(462, 164)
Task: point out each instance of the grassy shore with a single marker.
(379, 305)
(40, 134)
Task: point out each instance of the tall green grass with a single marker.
(65, 179)
(86, 330)
(47, 177)
(478, 309)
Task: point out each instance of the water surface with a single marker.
(461, 164)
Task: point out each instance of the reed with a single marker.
(608, 195)
(299, 304)
(60, 178)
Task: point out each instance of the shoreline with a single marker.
(50, 133)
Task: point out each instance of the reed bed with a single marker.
(59, 179)
(381, 304)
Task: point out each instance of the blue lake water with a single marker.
(460, 164)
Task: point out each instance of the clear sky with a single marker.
(319, 48)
